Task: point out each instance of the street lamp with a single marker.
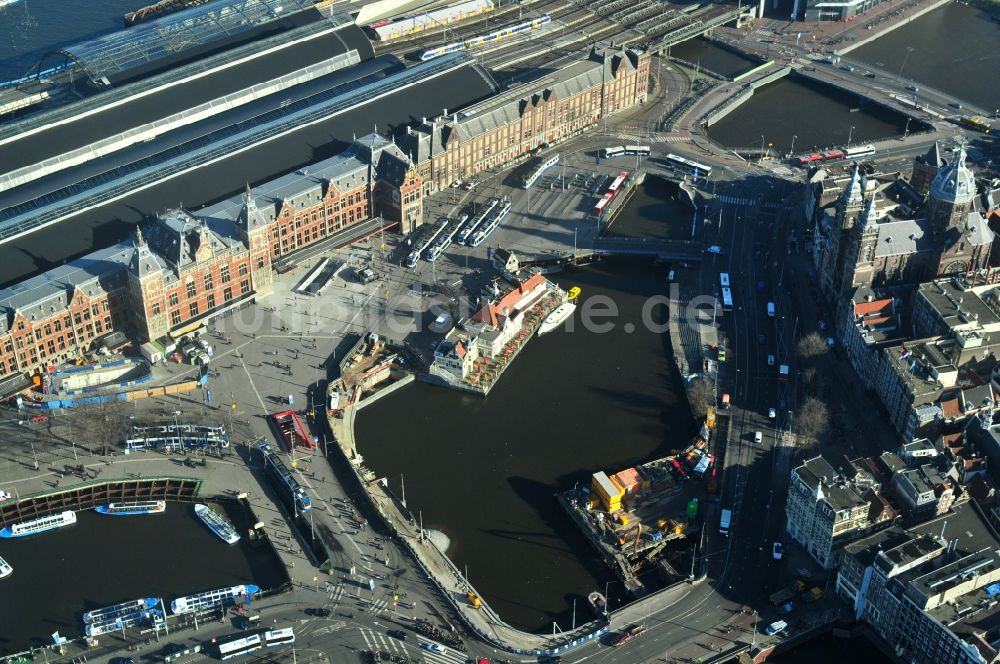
(906, 130)
(792, 151)
(909, 49)
(761, 149)
(850, 134)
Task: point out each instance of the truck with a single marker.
(783, 372)
(782, 597)
(725, 521)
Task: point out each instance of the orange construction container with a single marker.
(629, 479)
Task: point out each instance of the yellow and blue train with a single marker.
(495, 36)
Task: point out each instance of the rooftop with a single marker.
(955, 305)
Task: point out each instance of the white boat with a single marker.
(217, 524)
(119, 610)
(41, 525)
(135, 507)
(117, 624)
(556, 318)
(211, 598)
(4, 3)
(5, 569)
(598, 603)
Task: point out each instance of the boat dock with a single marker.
(631, 516)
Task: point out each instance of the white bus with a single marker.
(724, 279)
(279, 637)
(690, 167)
(727, 299)
(859, 151)
(608, 153)
(641, 150)
(244, 646)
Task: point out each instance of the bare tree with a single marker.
(811, 421)
(811, 345)
(104, 424)
(701, 395)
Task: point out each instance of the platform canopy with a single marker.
(113, 55)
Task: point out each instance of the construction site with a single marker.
(635, 518)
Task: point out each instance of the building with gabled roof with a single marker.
(513, 123)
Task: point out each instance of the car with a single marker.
(434, 647)
(912, 88)
(121, 660)
(831, 342)
(847, 67)
(397, 634)
(771, 413)
(955, 104)
(869, 74)
(722, 355)
(821, 323)
(471, 185)
(776, 551)
(456, 184)
(319, 612)
(770, 360)
(714, 249)
(761, 339)
(758, 437)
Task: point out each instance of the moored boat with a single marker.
(122, 622)
(134, 507)
(598, 603)
(5, 569)
(210, 598)
(217, 524)
(40, 525)
(556, 318)
(118, 610)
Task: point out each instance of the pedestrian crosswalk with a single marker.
(383, 643)
(749, 202)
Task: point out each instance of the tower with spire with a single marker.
(146, 290)
(860, 258)
(255, 229)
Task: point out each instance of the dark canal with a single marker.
(655, 211)
(103, 560)
(954, 50)
(707, 55)
(818, 116)
(484, 470)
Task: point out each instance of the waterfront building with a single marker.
(827, 508)
(500, 318)
(928, 591)
(456, 357)
(813, 11)
(507, 127)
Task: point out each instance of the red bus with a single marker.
(619, 181)
(834, 154)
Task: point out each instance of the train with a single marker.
(836, 155)
(283, 479)
(389, 29)
(481, 40)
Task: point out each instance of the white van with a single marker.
(776, 627)
(770, 309)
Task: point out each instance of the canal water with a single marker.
(654, 211)
(817, 115)
(954, 50)
(103, 560)
(485, 470)
(714, 58)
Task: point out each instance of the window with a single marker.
(244, 269)
(156, 308)
(227, 294)
(58, 326)
(191, 290)
(260, 263)
(175, 317)
(174, 299)
(76, 319)
(211, 300)
(193, 309)
(245, 286)
(224, 272)
(209, 285)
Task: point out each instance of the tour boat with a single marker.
(119, 610)
(217, 524)
(211, 598)
(598, 603)
(5, 569)
(556, 318)
(135, 507)
(40, 525)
